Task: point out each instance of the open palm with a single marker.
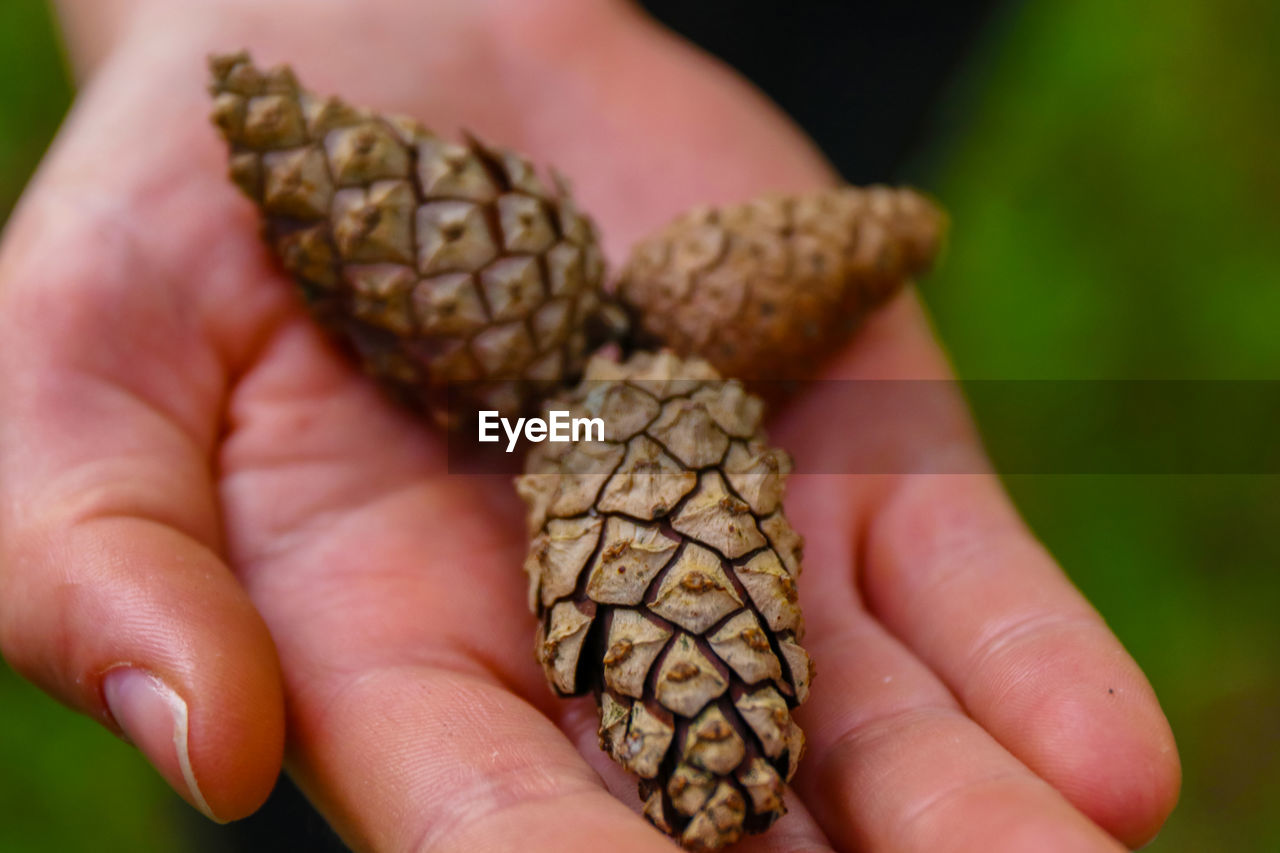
(196, 487)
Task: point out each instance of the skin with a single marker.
(193, 482)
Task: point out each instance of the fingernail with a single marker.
(155, 719)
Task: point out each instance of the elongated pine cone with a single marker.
(766, 289)
(664, 574)
(440, 262)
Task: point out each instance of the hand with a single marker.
(210, 521)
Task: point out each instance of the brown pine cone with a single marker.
(439, 262)
(664, 574)
(766, 289)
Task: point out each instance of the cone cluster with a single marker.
(663, 572)
(661, 567)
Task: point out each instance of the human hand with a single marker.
(196, 488)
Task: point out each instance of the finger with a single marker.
(893, 763)
(112, 594)
(950, 569)
(444, 757)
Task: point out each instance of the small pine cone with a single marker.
(766, 289)
(439, 262)
(663, 572)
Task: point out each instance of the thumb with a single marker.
(112, 595)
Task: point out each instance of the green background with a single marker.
(1113, 175)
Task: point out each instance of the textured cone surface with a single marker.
(766, 289)
(663, 573)
(440, 263)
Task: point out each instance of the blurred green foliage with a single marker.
(34, 92)
(1113, 178)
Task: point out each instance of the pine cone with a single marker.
(766, 289)
(663, 572)
(440, 262)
